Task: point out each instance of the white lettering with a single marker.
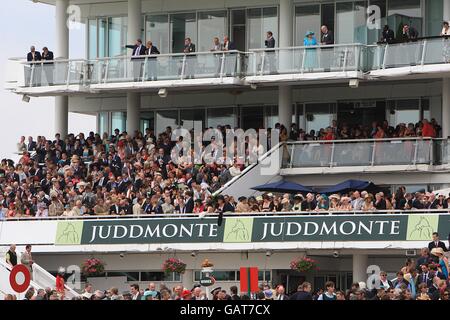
(316, 228)
(213, 230)
(327, 231)
(363, 226)
(116, 231)
(341, 228)
(186, 230)
(288, 229)
(395, 227)
(132, 228)
(165, 231)
(150, 233)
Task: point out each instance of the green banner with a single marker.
(382, 227)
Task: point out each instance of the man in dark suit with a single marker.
(138, 50)
(152, 62)
(303, 293)
(230, 59)
(48, 66)
(189, 47)
(426, 276)
(387, 36)
(33, 56)
(436, 243)
(280, 293)
(234, 293)
(114, 209)
(31, 146)
(327, 36)
(135, 293)
(189, 203)
(424, 259)
(271, 55)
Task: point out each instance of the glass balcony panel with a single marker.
(352, 154)
(423, 151)
(404, 54)
(312, 155)
(437, 51)
(394, 152)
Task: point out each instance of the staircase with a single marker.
(41, 280)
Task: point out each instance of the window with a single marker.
(118, 121)
(374, 35)
(238, 30)
(210, 24)
(433, 9)
(191, 117)
(147, 121)
(271, 116)
(166, 118)
(404, 111)
(159, 276)
(319, 116)
(157, 31)
(307, 18)
(351, 22)
(131, 276)
(183, 25)
(103, 122)
(261, 20)
(117, 36)
(92, 39)
(404, 11)
(221, 116)
(220, 275)
(102, 37)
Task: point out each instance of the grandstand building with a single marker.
(356, 80)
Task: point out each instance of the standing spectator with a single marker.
(217, 46)
(387, 36)
(445, 29)
(357, 202)
(26, 258)
(327, 36)
(428, 130)
(48, 66)
(303, 293)
(280, 293)
(443, 261)
(270, 40)
(436, 243)
(227, 44)
(424, 259)
(11, 256)
(329, 293)
(135, 293)
(409, 33)
(310, 54)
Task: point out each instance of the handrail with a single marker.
(365, 140)
(326, 46)
(246, 170)
(237, 214)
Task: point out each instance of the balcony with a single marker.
(356, 156)
(424, 58)
(204, 69)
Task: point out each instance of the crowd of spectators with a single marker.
(344, 131)
(133, 174)
(424, 278)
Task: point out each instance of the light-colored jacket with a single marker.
(26, 259)
(55, 209)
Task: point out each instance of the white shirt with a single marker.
(445, 32)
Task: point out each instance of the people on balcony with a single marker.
(445, 29)
(409, 33)
(387, 36)
(327, 37)
(310, 59)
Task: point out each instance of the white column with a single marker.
(446, 10)
(445, 107)
(286, 23)
(285, 40)
(133, 106)
(188, 279)
(134, 33)
(61, 52)
(285, 106)
(360, 264)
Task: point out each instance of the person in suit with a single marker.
(400, 280)
(31, 146)
(230, 63)
(114, 209)
(425, 276)
(271, 59)
(234, 293)
(387, 36)
(189, 47)
(189, 203)
(152, 63)
(327, 36)
(280, 293)
(436, 243)
(48, 66)
(135, 293)
(227, 44)
(26, 258)
(138, 51)
(33, 56)
(409, 33)
(303, 293)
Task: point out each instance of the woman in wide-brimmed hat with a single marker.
(368, 203)
(334, 202)
(443, 261)
(346, 204)
(310, 60)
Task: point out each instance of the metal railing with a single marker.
(182, 66)
(232, 214)
(367, 153)
(305, 59)
(226, 64)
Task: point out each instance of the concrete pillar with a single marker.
(134, 33)
(188, 279)
(360, 264)
(61, 52)
(285, 40)
(285, 106)
(133, 106)
(445, 107)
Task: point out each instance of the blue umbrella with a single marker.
(283, 187)
(349, 185)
